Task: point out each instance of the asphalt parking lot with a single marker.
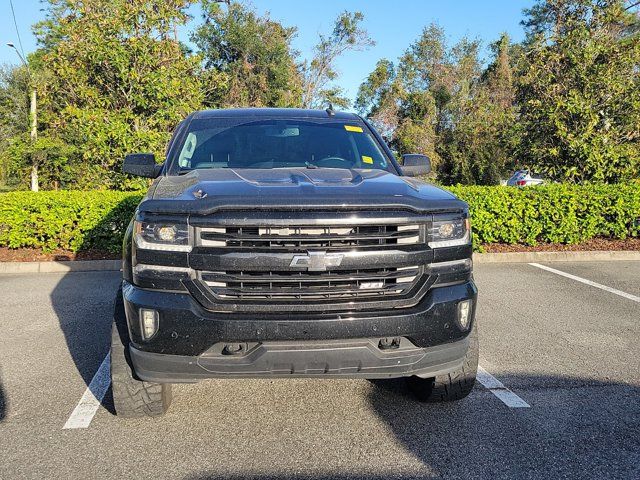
(564, 345)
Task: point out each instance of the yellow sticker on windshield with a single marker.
(366, 159)
(353, 128)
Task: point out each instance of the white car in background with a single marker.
(524, 178)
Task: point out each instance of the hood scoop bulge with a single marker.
(300, 176)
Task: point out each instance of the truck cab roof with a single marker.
(274, 113)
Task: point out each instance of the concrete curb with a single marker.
(478, 258)
(543, 257)
(60, 267)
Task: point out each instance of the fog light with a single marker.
(149, 322)
(464, 313)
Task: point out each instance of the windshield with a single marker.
(237, 143)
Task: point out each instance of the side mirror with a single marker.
(414, 164)
(141, 165)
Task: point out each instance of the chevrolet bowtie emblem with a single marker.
(317, 261)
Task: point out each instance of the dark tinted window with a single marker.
(233, 143)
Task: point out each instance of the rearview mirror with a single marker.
(141, 165)
(414, 164)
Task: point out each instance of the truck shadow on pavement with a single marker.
(84, 301)
(575, 428)
(3, 401)
(84, 305)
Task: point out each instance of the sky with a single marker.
(394, 25)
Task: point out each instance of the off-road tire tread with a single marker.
(132, 397)
(452, 386)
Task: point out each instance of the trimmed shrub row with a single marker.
(68, 220)
(556, 213)
(553, 213)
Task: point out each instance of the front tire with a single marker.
(452, 386)
(132, 398)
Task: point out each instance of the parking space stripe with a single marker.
(588, 282)
(88, 405)
(496, 387)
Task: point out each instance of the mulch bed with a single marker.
(35, 255)
(599, 244)
(596, 244)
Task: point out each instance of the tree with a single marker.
(424, 98)
(20, 154)
(579, 91)
(14, 120)
(480, 147)
(318, 74)
(498, 76)
(248, 58)
(18, 114)
(118, 81)
(439, 102)
(54, 158)
(378, 97)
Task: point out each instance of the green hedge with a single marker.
(556, 213)
(66, 220)
(552, 213)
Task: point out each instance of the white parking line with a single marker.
(88, 405)
(496, 387)
(587, 282)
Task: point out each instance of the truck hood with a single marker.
(206, 191)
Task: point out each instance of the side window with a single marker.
(184, 160)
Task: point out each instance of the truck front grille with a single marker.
(309, 261)
(292, 285)
(300, 237)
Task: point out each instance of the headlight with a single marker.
(173, 237)
(449, 231)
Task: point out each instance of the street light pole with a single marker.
(33, 115)
(34, 136)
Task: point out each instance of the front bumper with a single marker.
(336, 358)
(295, 344)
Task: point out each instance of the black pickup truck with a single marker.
(289, 243)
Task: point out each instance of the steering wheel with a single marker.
(334, 162)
